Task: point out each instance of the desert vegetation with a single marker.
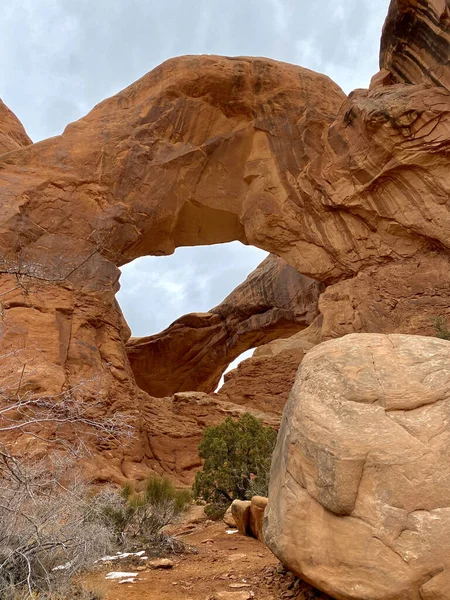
(237, 456)
(142, 515)
(54, 523)
(441, 328)
(53, 526)
(48, 530)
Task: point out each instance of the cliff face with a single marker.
(12, 134)
(415, 45)
(351, 192)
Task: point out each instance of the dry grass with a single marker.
(47, 530)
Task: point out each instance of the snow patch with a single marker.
(121, 575)
(120, 555)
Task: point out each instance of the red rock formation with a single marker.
(12, 134)
(263, 382)
(415, 45)
(249, 515)
(393, 298)
(170, 430)
(124, 181)
(274, 301)
(331, 200)
(350, 191)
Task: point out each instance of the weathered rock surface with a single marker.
(168, 433)
(263, 382)
(415, 45)
(274, 301)
(262, 152)
(240, 511)
(124, 182)
(248, 516)
(392, 298)
(12, 134)
(228, 518)
(258, 506)
(349, 191)
(395, 298)
(359, 499)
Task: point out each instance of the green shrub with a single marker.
(441, 328)
(237, 457)
(143, 514)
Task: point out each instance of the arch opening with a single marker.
(206, 316)
(191, 280)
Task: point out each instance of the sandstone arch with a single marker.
(275, 301)
(211, 149)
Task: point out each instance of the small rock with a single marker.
(245, 595)
(161, 563)
(235, 557)
(195, 515)
(239, 585)
(208, 541)
(141, 568)
(228, 518)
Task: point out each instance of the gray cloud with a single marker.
(58, 58)
(156, 290)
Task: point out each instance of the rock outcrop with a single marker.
(274, 302)
(350, 191)
(263, 382)
(248, 516)
(168, 432)
(359, 499)
(415, 45)
(124, 182)
(396, 298)
(12, 134)
(204, 150)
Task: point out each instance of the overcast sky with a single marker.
(58, 58)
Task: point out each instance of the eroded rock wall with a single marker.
(12, 134)
(415, 45)
(350, 191)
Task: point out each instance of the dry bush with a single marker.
(143, 515)
(48, 529)
(47, 533)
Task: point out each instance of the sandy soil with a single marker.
(224, 563)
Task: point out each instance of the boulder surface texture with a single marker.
(359, 499)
